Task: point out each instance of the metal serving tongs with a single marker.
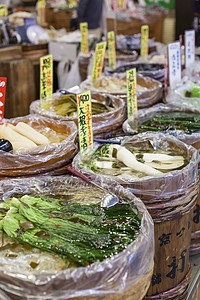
(108, 200)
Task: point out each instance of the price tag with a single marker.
(131, 92)
(98, 61)
(189, 48)
(46, 80)
(3, 10)
(166, 77)
(84, 40)
(114, 4)
(41, 12)
(85, 122)
(174, 59)
(3, 81)
(144, 40)
(121, 4)
(111, 50)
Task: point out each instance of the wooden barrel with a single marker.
(170, 200)
(83, 62)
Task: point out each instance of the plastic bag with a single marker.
(100, 123)
(132, 42)
(125, 275)
(43, 158)
(144, 115)
(152, 70)
(177, 96)
(149, 90)
(160, 186)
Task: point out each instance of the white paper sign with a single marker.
(174, 59)
(189, 48)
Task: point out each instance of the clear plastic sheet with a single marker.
(125, 275)
(43, 158)
(100, 123)
(158, 187)
(152, 70)
(177, 96)
(132, 42)
(144, 115)
(150, 94)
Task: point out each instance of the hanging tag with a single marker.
(174, 59)
(98, 61)
(189, 47)
(131, 92)
(3, 81)
(46, 80)
(144, 40)
(3, 10)
(41, 12)
(84, 39)
(85, 122)
(166, 77)
(111, 50)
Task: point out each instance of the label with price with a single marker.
(189, 47)
(98, 61)
(111, 50)
(3, 81)
(131, 92)
(41, 12)
(84, 40)
(174, 59)
(144, 40)
(46, 80)
(121, 4)
(3, 10)
(85, 122)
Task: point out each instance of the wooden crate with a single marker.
(20, 90)
(10, 52)
(58, 19)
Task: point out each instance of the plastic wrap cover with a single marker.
(176, 96)
(146, 114)
(161, 186)
(45, 157)
(100, 123)
(146, 98)
(132, 42)
(152, 70)
(128, 272)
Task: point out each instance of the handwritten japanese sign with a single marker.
(114, 4)
(144, 40)
(84, 40)
(121, 4)
(166, 76)
(3, 10)
(174, 59)
(85, 122)
(46, 79)
(111, 50)
(189, 47)
(98, 61)
(3, 81)
(131, 92)
(41, 12)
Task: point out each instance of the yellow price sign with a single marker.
(111, 50)
(144, 40)
(131, 91)
(41, 12)
(98, 61)
(46, 80)
(84, 40)
(121, 4)
(3, 10)
(85, 122)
